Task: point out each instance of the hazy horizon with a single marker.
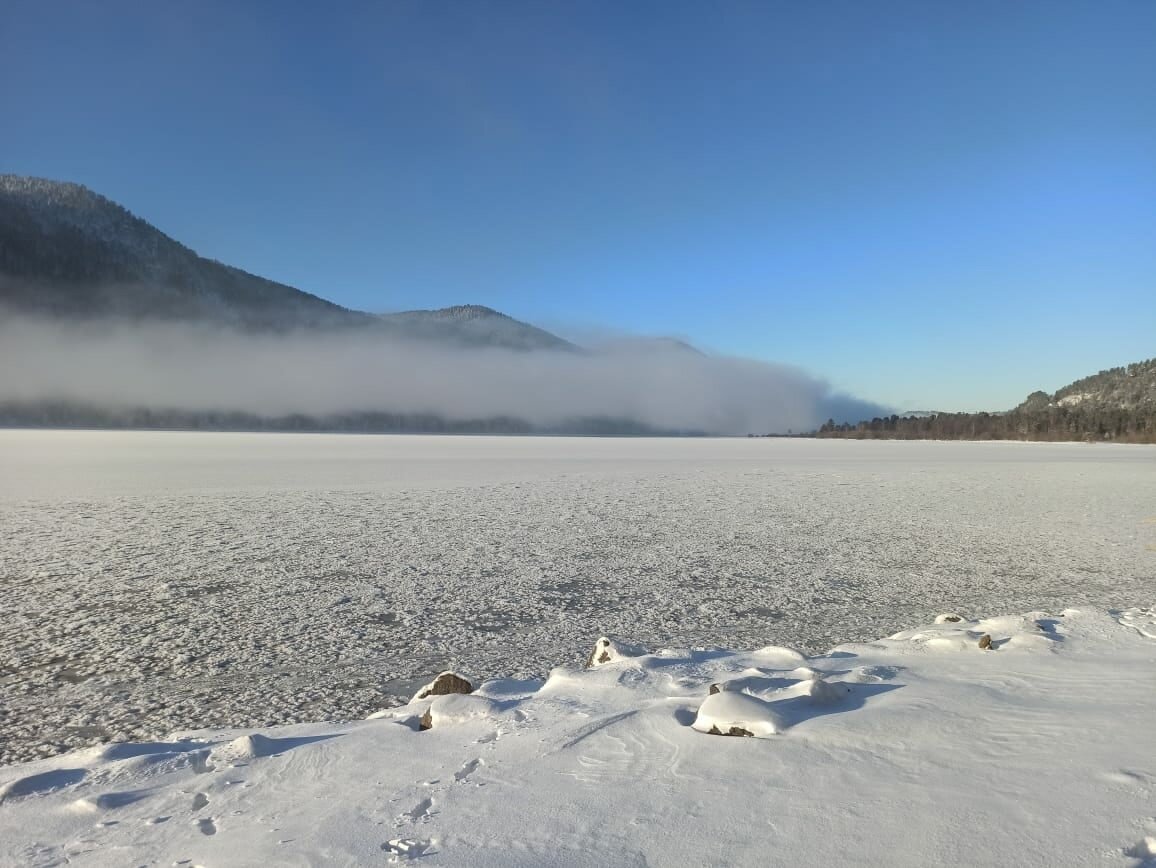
(201, 367)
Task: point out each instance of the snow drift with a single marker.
(921, 749)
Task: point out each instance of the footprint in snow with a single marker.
(1143, 621)
(206, 826)
(1128, 777)
(874, 674)
(462, 775)
(405, 848)
(419, 812)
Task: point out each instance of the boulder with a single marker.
(445, 684)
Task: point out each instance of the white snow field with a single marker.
(922, 749)
(157, 582)
(166, 580)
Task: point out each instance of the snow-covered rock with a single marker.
(457, 708)
(606, 650)
(780, 656)
(730, 713)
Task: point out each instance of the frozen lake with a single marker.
(161, 580)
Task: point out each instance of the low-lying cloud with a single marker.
(663, 385)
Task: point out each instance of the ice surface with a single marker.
(159, 581)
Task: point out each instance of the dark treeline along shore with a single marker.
(1117, 405)
(72, 414)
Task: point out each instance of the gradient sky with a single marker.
(933, 205)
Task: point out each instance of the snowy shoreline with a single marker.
(923, 748)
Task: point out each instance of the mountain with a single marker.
(69, 252)
(474, 325)
(1128, 388)
(1115, 404)
(94, 304)
(641, 345)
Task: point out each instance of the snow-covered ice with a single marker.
(922, 749)
(159, 581)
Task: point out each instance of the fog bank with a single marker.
(662, 384)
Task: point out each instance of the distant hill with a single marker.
(649, 345)
(1128, 388)
(66, 251)
(474, 325)
(69, 254)
(920, 414)
(1116, 404)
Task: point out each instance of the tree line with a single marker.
(1058, 423)
(70, 414)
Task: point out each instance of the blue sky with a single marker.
(933, 205)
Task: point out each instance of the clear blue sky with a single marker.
(932, 204)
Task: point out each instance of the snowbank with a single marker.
(919, 749)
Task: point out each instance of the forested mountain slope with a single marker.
(1115, 404)
(66, 251)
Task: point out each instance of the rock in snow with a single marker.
(608, 651)
(445, 684)
(948, 618)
